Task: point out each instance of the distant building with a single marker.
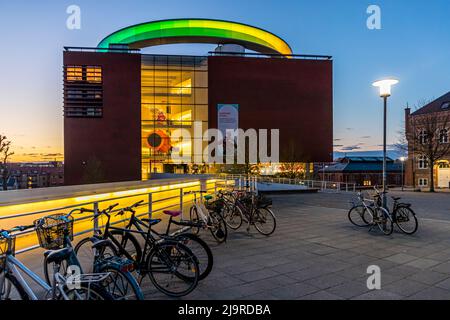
(362, 171)
(417, 166)
(35, 175)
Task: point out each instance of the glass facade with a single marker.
(174, 95)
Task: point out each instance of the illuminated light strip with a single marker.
(136, 191)
(197, 30)
(30, 239)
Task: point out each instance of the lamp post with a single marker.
(323, 176)
(402, 160)
(385, 92)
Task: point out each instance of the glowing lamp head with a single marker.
(402, 159)
(385, 86)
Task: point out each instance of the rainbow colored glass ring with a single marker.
(197, 31)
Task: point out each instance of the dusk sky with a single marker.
(413, 46)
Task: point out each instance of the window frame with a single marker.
(423, 163)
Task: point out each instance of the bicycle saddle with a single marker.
(97, 243)
(395, 198)
(57, 256)
(151, 222)
(208, 197)
(172, 213)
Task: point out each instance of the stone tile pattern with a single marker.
(317, 254)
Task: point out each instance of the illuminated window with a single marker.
(173, 95)
(83, 92)
(74, 73)
(367, 183)
(94, 74)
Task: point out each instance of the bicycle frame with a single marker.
(13, 265)
(138, 224)
(149, 241)
(201, 209)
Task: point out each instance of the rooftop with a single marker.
(363, 164)
(440, 104)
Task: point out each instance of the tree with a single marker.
(5, 153)
(291, 168)
(428, 137)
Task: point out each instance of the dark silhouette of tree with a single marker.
(291, 168)
(5, 153)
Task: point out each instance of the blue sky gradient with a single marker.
(413, 45)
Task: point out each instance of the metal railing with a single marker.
(102, 50)
(271, 55)
(322, 185)
(155, 202)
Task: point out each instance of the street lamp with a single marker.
(385, 92)
(323, 176)
(402, 160)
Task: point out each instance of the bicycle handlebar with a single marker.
(100, 212)
(130, 208)
(17, 228)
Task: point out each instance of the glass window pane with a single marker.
(160, 62)
(201, 96)
(201, 79)
(188, 62)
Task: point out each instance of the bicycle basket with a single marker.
(52, 230)
(216, 205)
(7, 246)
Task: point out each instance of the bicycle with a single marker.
(56, 232)
(207, 219)
(13, 286)
(402, 214)
(199, 247)
(232, 214)
(361, 214)
(170, 265)
(254, 209)
(382, 218)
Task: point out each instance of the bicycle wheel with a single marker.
(49, 267)
(172, 268)
(384, 221)
(86, 292)
(201, 251)
(218, 227)
(265, 221)
(86, 255)
(360, 216)
(121, 285)
(129, 243)
(232, 215)
(12, 290)
(406, 220)
(193, 215)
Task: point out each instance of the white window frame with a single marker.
(422, 162)
(445, 140)
(423, 137)
(423, 182)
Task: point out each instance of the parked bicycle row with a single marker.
(111, 264)
(373, 214)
